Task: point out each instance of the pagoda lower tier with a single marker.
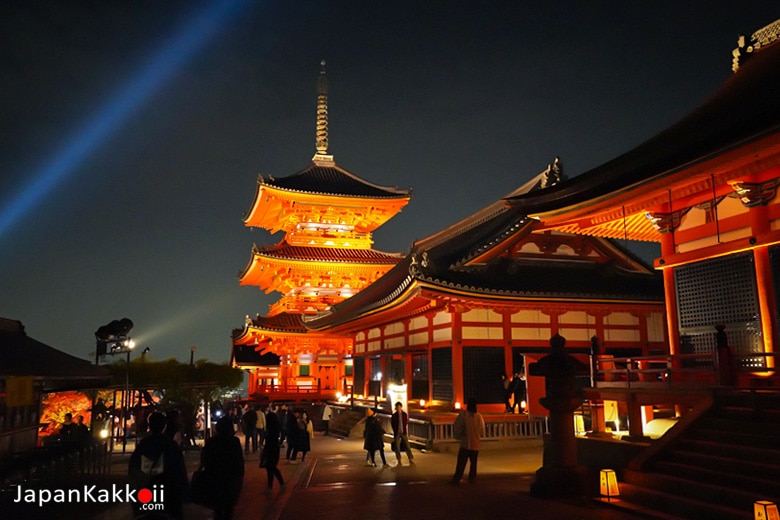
(310, 364)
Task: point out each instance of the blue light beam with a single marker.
(192, 37)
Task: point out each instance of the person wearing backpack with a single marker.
(158, 461)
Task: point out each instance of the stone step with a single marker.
(707, 431)
(740, 459)
(653, 503)
(762, 484)
(747, 415)
(714, 494)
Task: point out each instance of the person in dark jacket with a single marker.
(400, 424)
(518, 391)
(249, 425)
(305, 435)
(223, 462)
(271, 448)
(158, 461)
(374, 439)
(292, 431)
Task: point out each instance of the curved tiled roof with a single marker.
(282, 322)
(554, 279)
(285, 251)
(330, 179)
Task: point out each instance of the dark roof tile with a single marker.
(333, 180)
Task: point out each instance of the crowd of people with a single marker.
(274, 431)
(158, 459)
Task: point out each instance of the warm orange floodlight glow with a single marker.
(765, 510)
(609, 484)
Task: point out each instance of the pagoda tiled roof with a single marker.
(327, 178)
(282, 322)
(745, 109)
(285, 251)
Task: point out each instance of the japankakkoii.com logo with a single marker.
(146, 499)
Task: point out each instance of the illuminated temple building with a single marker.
(706, 190)
(482, 297)
(327, 215)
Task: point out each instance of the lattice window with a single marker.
(420, 376)
(721, 290)
(482, 369)
(718, 291)
(359, 377)
(441, 368)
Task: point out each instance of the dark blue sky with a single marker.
(457, 100)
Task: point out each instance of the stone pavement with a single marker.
(335, 484)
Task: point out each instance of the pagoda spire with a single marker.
(322, 116)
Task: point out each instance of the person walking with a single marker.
(518, 392)
(305, 435)
(468, 428)
(271, 448)
(158, 460)
(292, 431)
(400, 423)
(374, 439)
(223, 462)
(327, 415)
(282, 414)
(173, 427)
(249, 426)
(260, 424)
(507, 392)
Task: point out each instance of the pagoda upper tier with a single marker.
(313, 278)
(324, 205)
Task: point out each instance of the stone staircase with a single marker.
(714, 467)
(346, 421)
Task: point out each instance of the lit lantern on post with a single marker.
(457, 405)
(609, 484)
(765, 510)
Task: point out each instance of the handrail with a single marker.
(56, 461)
(426, 432)
(645, 368)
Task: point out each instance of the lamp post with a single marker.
(125, 347)
(128, 345)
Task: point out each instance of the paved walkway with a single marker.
(335, 484)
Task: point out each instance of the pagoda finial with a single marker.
(322, 112)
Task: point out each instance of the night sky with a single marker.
(132, 133)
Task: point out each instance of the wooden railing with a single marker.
(426, 432)
(54, 462)
(667, 370)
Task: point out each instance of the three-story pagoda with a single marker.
(327, 215)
